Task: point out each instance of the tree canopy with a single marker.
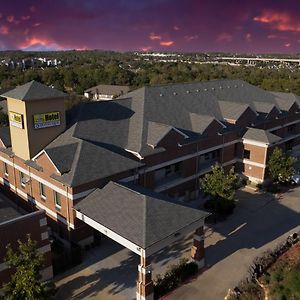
(218, 184)
(281, 166)
(25, 282)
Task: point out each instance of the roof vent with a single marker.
(228, 86)
(205, 89)
(220, 87)
(187, 91)
(213, 88)
(160, 95)
(174, 93)
(235, 86)
(197, 90)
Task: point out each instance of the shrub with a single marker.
(174, 277)
(220, 206)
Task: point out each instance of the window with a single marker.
(247, 154)
(43, 191)
(23, 179)
(5, 169)
(57, 200)
(291, 128)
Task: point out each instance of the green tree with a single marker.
(218, 184)
(25, 282)
(281, 166)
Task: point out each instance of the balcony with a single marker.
(167, 182)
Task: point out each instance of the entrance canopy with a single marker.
(137, 218)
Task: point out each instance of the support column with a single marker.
(144, 287)
(197, 252)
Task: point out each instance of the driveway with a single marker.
(259, 223)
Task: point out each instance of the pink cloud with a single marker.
(167, 43)
(4, 30)
(36, 24)
(280, 21)
(224, 37)
(10, 19)
(26, 31)
(176, 28)
(275, 36)
(43, 41)
(287, 45)
(25, 18)
(189, 38)
(146, 48)
(154, 36)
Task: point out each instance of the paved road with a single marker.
(258, 223)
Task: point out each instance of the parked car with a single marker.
(295, 179)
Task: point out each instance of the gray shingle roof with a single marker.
(138, 215)
(108, 89)
(232, 110)
(261, 135)
(5, 136)
(33, 90)
(8, 210)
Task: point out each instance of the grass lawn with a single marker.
(283, 278)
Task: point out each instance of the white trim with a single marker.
(188, 156)
(198, 238)
(255, 143)
(252, 163)
(284, 125)
(48, 184)
(140, 297)
(145, 270)
(254, 179)
(52, 162)
(135, 154)
(179, 181)
(37, 155)
(128, 179)
(44, 249)
(41, 206)
(111, 234)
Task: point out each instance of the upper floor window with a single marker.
(57, 200)
(5, 169)
(23, 179)
(246, 154)
(291, 128)
(42, 191)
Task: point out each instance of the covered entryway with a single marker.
(144, 222)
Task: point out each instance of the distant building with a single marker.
(105, 92)
(15, 224)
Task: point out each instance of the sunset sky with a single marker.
(154, 25)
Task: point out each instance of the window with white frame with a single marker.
(23, 179)
(57, 200)
(43, 191)
(5, 168)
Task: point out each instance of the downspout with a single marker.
(68, 215)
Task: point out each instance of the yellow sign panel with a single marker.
(16, 119)
(46, 120)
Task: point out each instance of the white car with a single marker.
(295, 178)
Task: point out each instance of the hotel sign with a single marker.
(16, 120)
(46, 120)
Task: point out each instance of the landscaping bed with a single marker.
(273, 276)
